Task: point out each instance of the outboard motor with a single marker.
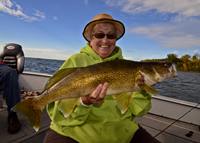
(13, 56)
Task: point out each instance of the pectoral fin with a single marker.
(123, 101)
(66, 106)
(116, 96)
(58, 75)
(148, 89)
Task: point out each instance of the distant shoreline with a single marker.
(43, 58)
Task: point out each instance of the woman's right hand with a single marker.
(97, 96)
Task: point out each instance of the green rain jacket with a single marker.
(102, 123)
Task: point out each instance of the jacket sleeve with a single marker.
(140, 103)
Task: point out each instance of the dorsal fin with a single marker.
(58, 75)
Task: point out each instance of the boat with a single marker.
(28, 82)
(170, 120)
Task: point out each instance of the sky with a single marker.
(52, 29)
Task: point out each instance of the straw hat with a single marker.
(120, 29)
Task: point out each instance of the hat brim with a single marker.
(120, 29)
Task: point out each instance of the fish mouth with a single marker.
(173, 70)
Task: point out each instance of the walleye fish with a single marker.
(69, 84)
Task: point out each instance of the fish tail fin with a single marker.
(31, 110)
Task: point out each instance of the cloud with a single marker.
(7, 6)
(182, 31)
(6, 2)
(86, 1)
(175, 52)
(48, 53)
(134, 58)
(55, 18)
(183, 8)
(172, 35)
(39, 14)
(182, 42)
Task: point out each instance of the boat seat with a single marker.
(13, 56)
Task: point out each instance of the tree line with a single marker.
(185, 63)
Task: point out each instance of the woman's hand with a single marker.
(97, 96)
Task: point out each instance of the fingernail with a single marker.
(106, 83)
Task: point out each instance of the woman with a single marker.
(96, 119)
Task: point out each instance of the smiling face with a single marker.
(105, 46)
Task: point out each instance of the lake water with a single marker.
(185, 87)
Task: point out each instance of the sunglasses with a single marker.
(102, 35)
